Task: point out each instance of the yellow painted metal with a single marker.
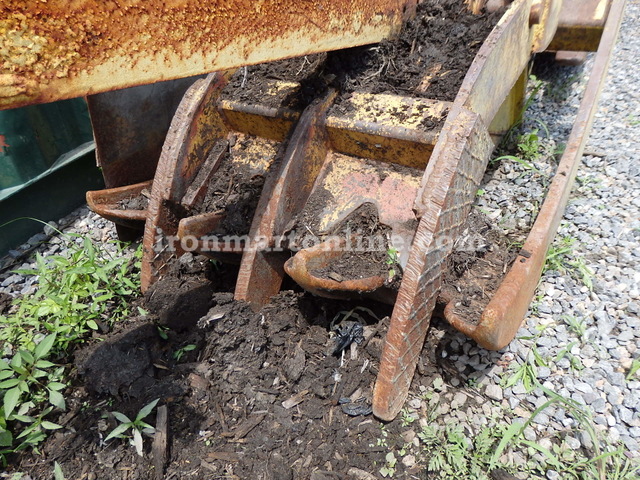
(56, 49)
(264, 116)
(352, 182)
(255, 152)
(580, 25)
(511, 109)
(548, 15)
(385, 127)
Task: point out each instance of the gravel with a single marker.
(588, 364)
(603, 216)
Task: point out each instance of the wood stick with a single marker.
(159, 448)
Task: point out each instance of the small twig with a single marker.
(594, 153)
(304, 62)
(244, 77)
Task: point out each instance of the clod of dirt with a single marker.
(183, 296)
(6, 301)
(122, 364)
(480, 259)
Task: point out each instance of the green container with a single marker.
(33, 138)
(47, 163)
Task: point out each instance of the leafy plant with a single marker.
(526, 372)
(57, 472)
(577, 326)
(452, 454)
(74, 293)
(391, 261)
(527, 165)
(407, 417)
(179, 353)
(137, 426)
(27, 382)
(389, 469)
(635, 366)
(559, 259)
(574, 362)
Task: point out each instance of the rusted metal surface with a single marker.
(301, 266)
(454, 173)
(59, 49)
(106, 203)
(195, 129)
(129, 128)
(580, 25)
(261, 272)
(315, 164)
(506, 310)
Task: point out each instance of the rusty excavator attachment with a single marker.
(351, 194)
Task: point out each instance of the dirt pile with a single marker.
(429, 59)
(481, 257)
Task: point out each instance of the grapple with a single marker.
(280, 187)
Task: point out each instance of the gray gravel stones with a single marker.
(48, 242)
(585, 339)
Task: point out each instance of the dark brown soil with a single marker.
(234, 191)
(139, 202)
(442, 33)
(262, 396)
(6, 301)
(363, 258)
(250, 395)
(251, 84)
(481, 258)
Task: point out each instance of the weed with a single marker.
(179, 353)
(407, 417)
(577, 326)
(574, 362)
(381, 441)
(513, 158)
(74, 293)
(526, 372)
(389, 469)
(633, 120)
(57, 472)
(635, 367)
(453, 454)
(28, 382)
(137, 426)
(529, 146)
(391, 261)
(163, 331)
(559, 259)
